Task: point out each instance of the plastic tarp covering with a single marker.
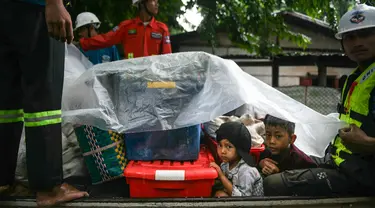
(183, 89)
(75, 65)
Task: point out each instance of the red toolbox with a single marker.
(172, 179)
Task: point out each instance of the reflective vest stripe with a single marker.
(11, 116)
(11, 112)
(42, 118)
(43, 123)
(43, 114)
(11, 120)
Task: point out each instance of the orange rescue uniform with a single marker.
(137, 39)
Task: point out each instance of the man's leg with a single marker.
(42, 77)
(11, 115)
(42, 66)
(308, 182)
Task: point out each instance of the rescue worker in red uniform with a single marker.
(31, 81)
(142, 36)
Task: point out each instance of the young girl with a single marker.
(236, 173)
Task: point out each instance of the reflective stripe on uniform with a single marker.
(339, 147)
(42, 118)
(356, 108)
(11, 116)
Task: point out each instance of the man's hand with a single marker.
(58, 20)
(269, 166)
(357, 140)
(217, 168)
(353, 135)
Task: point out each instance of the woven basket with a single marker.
(103, 151)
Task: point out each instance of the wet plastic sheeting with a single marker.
(180, 90)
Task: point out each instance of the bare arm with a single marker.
(103, 40)
(226, 183)
(224, 180)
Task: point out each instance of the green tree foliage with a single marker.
(112, 12)
(252, 24)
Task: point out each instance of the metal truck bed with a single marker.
(293, 202)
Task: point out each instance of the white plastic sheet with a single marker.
(73, 163)
(117, 96)
(75, 65)
(113, 95)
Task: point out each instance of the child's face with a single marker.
(226, 151)
(278, 139)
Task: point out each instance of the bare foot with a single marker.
(59, 194)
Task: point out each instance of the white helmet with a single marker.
(135, 2)
(86, 18)
(361, 17)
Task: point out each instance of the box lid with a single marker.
(174, 170)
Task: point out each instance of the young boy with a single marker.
(236, 174)
(281, 154)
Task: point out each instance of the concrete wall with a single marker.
(318, 41)
(290, 75)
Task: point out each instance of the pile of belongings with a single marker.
(255, 127)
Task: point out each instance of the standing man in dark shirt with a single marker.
(32, 73)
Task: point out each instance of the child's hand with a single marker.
(217, 168)
(270, 167)
(262, 162)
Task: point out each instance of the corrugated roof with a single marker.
(307, 18)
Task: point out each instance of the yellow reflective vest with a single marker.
(355, 109)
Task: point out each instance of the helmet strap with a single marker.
(145, 7)
(89, 30)
(342, 45)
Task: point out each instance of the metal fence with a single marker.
(322, 99)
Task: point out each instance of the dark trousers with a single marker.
(31, 80)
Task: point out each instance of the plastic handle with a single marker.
(170, 175)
